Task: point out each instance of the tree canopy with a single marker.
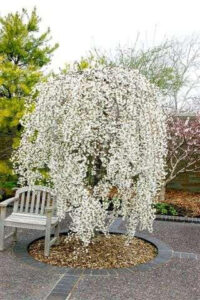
(97, 137)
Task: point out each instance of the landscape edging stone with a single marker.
(164, 254)
(178, 219)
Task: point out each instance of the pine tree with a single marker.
(23, 54)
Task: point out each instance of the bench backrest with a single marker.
(33, 200)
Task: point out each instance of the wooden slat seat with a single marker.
(28, 220)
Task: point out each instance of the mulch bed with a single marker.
(186, 203)
(105, 252)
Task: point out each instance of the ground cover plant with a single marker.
(93, 132)
(165, 209)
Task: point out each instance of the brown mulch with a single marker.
(105, 252)
(185, 203)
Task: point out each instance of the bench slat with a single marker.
(43, 202)
(27, 201)
(48, 199)
(32, 202)
(38, 202)
(22, 202)
(16, 204)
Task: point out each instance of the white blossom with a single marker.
(95, 130)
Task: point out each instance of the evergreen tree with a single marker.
(23, 54)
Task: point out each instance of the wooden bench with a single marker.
(33, 208)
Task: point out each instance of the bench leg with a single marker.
(15, 235)
(57, 231)
(2, 236)
(47, 241)
(2, 227)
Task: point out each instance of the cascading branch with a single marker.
(100, 135)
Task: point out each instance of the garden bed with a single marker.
(185, 204)
(105, 252)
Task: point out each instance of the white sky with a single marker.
(78, 25)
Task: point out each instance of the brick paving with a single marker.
(176, 279)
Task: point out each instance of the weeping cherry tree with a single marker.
(98, 139)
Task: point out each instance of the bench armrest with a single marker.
(8, 201)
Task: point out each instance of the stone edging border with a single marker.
(177, 219)
(164, 254)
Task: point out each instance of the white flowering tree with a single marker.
(99, 139)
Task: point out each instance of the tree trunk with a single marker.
(162, 193)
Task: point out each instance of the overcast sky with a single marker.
(78, 25)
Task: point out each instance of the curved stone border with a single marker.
(177, 219)
(164, 254)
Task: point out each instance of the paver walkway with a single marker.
(178, 279)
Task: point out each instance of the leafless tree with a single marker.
(172, 64)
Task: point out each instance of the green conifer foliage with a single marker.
(24, 51)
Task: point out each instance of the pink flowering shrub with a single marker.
(183, 146)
